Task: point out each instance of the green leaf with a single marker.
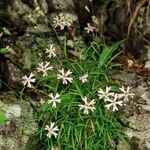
(3, 50)
(107, 53)
(2, 118)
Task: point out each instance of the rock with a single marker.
(70, 43)
(62, 4)
(148, 52)
(138, 116)
(139, 140)
(146, 96)
(147, 64)
(44, 6)
(13, 111)
(122, 146)
(20, 126)
(139, 122)
(127, 78)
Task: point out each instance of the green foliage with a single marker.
(107, 54)
(77, 130)
(3, 50)
(2, 118)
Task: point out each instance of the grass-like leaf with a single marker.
(2, 118)
(107, 53)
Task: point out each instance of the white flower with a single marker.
(65, 76)
(94, 19)
(52, 129)
(114, 103)
(126, 93)
(68, 19)
(54, 99)
(105, 94)
(89, 28)
(44, 68)
(51, 51)
(63, 20)
(87, 106)
(27, 80)
(58, 23)
(84, 78)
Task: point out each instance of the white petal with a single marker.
(108, 106)
(57, 95)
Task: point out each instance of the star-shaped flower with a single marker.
(105, 94)
(54, 99)
(89, 28)
(87, 106)
(84, 78)
(52, 129)
(126, 93)
(27, 80)
(113, 103)
(63, 20)
(44, 68)
(51, 51)
(65, 76)
(58, 22)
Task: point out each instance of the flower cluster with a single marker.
(87, 105)
(112, 99)
(63, 20)
(44, 67)
(63, 75)
(41, 68)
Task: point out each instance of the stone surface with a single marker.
(13, 110)
(123, 146)
(137, 112)
(62, 4)
(147, 64)
(19, 126)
